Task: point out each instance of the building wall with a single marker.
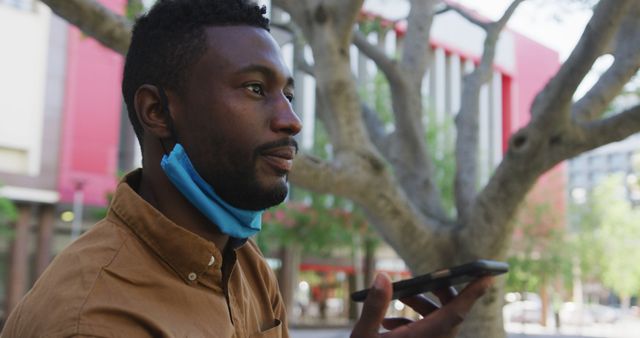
(588, 169)
(31, 45)
(59, 125)
(60, 107)
(535, 65)
(22, 84)
(91, 127)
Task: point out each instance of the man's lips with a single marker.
(281, 158)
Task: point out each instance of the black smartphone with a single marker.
(441, 279)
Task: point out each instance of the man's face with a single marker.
(236, 121)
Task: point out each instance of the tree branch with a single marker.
(611, 129)
(416, 42)
(594, 42)
(348, 13)
(299, 60)
(324, 116)
(409, 154)
(384, 63)
(491, 40)
(293, 7)
(376, 130)
(441, 9)
(468, 16)
(544, 142)
(394, 213)
(314, 173)
(625, 66)
(347, 174)
(467, 119)
(507, 14)
(92, 18)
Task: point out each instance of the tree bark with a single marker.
(485, 318)
(45, 238)
(288, 278)
(108, 28)
(18, 276)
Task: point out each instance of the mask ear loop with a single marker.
(164, 102)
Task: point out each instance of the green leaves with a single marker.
(539, 248)
(619, 236)
(134, 8)
(317, 228)
(8, 214)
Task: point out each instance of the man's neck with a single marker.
(158, 191)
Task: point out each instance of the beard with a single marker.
(241, 187)
(236, 180)
(246, 192)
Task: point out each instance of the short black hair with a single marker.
(170, 38)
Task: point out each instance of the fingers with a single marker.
(446, 294)
(445, 320)
(421, 304)
(454, 312)
(392, 323)
(374, 308)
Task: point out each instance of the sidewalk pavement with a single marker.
(344, 333)
(626, 328)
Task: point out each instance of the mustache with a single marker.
(285, 142)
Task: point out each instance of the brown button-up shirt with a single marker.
(137, 274)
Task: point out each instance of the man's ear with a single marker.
(150, 112)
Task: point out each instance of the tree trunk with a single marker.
(358, 280)
(45, 238)
(19, 259)
(354, 307)
(544, 298)
(288, 279)
(485, 318)
(370, 247)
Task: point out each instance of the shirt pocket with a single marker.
(273, 332)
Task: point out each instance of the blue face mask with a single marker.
(230, 220)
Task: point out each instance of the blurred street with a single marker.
(625, 328)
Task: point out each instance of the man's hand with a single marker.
(438, 322)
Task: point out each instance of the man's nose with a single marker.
(285, 119)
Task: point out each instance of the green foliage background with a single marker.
(602, 240)
(539, 249)
(8, 214)
(618, 236)
(317, 228)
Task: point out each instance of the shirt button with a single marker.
(192, 276)
(212, 260)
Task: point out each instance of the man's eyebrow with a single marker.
(267, 71)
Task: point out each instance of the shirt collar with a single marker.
(188, 254)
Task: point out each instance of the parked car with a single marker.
(585, 314)
(603, 313)
(522, 308)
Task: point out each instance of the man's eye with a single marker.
(256, 88)
(289, 97)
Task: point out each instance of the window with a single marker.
(617, 162)
(579, 180)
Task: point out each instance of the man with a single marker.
(172, 259)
